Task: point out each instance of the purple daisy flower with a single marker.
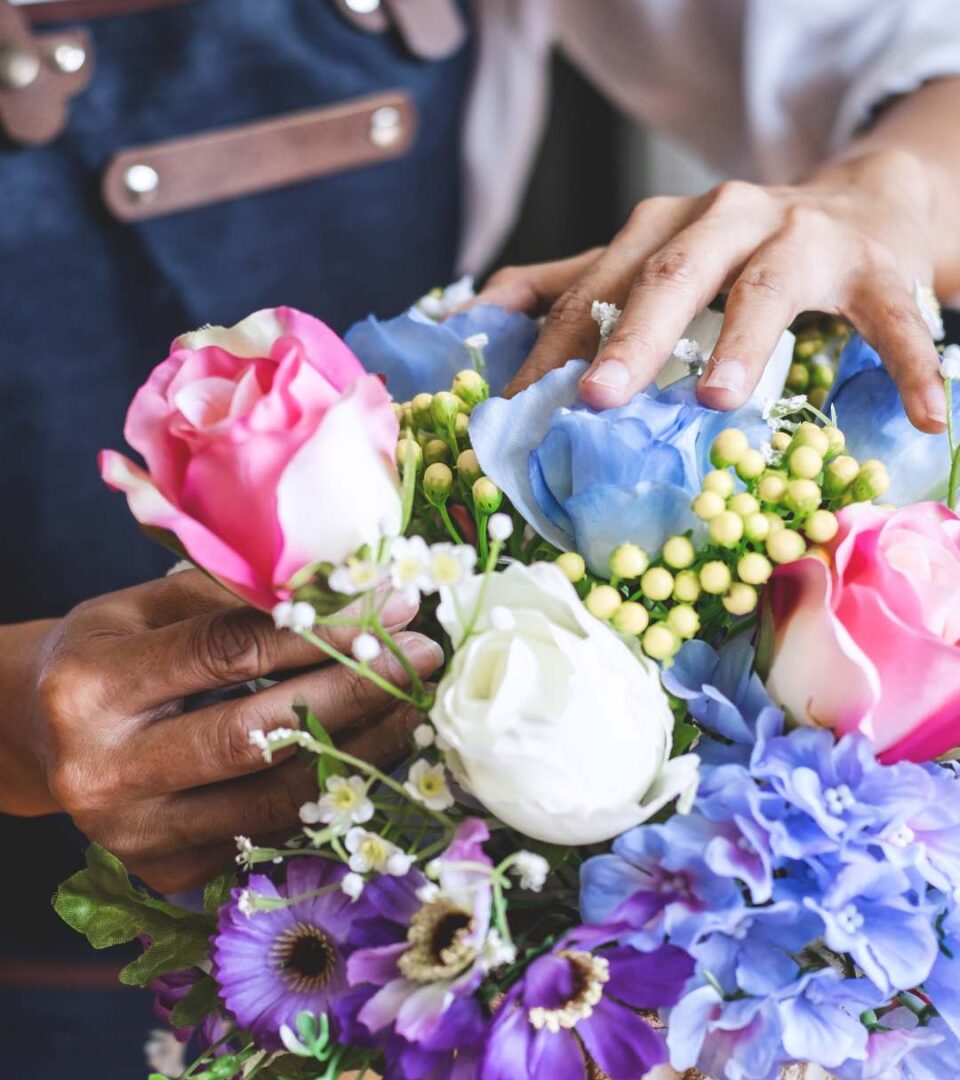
(578, 999)
(274, 965)
(425, 950)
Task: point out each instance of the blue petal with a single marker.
(605, 882)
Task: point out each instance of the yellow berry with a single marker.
(486, 495)
(836, 440)
(772, 488)
(631, 618)
(683, 621)
(409, 448)
(803, 496)
(421, 407)
(435, 450)
(603, 601)
(786, 546)
(657, 583)
(708, 504)
(743, 504)
(804, 463)
(780, 441)
(751, 465)
(628, 561)
(468, 466)
(798, 378)
(461, 426)
(660, 642)
(678, 552)
(720, 481)
(437, 482)
(872, 481)
(686, 586)
(821, 526)
(756, 527)
(572, 566)
(715, 577)
(754, 568)
(839, 475)
(728, 447)
(809, 434)
(726, 529)
(741, 599)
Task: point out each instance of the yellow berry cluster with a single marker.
(815, 358)
(759, 510)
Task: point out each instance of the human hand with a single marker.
(851, 241)
(163, 789)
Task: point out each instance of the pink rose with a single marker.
(268, 449)
(872, 644)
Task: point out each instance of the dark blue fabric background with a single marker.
(88, 306)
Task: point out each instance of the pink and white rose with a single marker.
(872, 642)
(268, 449)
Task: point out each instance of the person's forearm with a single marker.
(23, 787)
(926, 126)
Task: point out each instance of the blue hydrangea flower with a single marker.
(417, 354)
(871, 415)
(587, 480)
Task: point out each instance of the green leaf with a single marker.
(288, 1067)
(685, 734)
(408, 488)
(197, 1005)
(103, 904)
(217, 892)
(326, 766)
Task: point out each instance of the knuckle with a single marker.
(275, 805)
(573, 307)
(170, 877)
(652, 209)
(506, 275)
(230, 743)
(734, 196)
(74, 788)
(233, 647)
(671, 267)
(760, 282)
(805, 222)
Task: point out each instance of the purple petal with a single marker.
(648, 980)
(622, 1043)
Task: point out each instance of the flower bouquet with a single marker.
(681, 792)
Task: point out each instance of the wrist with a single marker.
(23, 786)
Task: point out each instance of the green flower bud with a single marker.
(422, 408)
(399, 411)
(818, 397)
(756, 528)
(719, 481)
(780, 441)
(754, 568)
(409, 448)
(806, 348)
(728, 448)
(660, 642)
(772, 487)
(708, 504)
(487, 497)
(786, 546)
(684, 621)
(810, 434)
(657, 584)
(798, 378)
(678, 552)
(823, 376)
(805, 463)
(686, 586)
(836, 440)
(726, 529)
(743, 504)
(471, 387)
(872, 481)
(628, 561)
(572, 566)
(741, 599)
(468, 466)
(461, 426)
(715, 578)
(631, 618)
(436, 450)
(821, 526)
(438, 483)
(751, 465)
(839, 475)
(803, 496)
(603, 601)
(445, 408)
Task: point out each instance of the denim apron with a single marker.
(89, 304)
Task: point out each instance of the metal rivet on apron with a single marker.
(363, 7)
(18, 68)
(386, 126)
(68, 57)
(141, 180)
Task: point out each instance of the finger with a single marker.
(225, 648)
(886, 315)
(213, 744)
(185, 869)
(384, 742)
(534, 288)
(763, 301)
(569, 331)
(673, 285)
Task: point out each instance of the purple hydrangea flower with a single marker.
(424, 949)
(580, 996)
(275, 964)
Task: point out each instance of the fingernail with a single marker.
(613, 374)
(398, 611)
(726, 375)
(936, 404)
(425, 654)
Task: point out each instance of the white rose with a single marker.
(552, 722)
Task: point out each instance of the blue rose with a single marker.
(417, 354)
(587, 481)
(871, 415)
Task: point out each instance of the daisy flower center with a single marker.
(589, 974)
(439, 948)
(305, 957)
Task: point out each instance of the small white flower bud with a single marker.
(424, 735)
(352, 885)
(500, 527)
(365, 648)
(572, 566)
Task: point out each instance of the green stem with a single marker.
(954, 480)
(387, 639)
(363, 670)
(448, 524)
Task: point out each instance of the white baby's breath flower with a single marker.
(772, 457)
(245, 850)
(776, 411)
(477, 341)
(496, 952)
(440, 302)
(369, 853)
(399, 864)
(365, 648)
(532, 870)
(265, 741)
(246, 904)
(950, 362)
(294, 615)
(165, 1054)
(352, 885)
(430, 891)
(410, 565)
(449, 565)
(424, 736)
(356, 576)
(929, 307)
(606, 316)
(427, 784)
(344, 803)
(688, 352)
(500, 527)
